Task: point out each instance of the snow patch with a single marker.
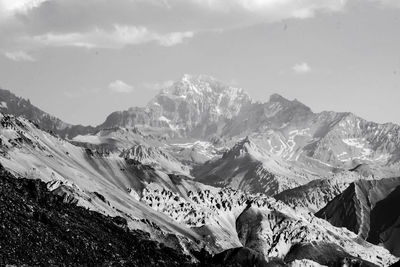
(3, 104)
(92, 139)
(162, 118)
(359, 143)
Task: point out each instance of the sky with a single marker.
(81, 60)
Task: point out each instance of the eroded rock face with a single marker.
(282, 233)
(195, 208)
(265, 226)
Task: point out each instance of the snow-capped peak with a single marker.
(198, 85)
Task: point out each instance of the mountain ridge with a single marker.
(186, 78)
(200, 107)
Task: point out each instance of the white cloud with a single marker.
(301, 68)
(19, 56)
(11, 7)
(173, 38)
(119, 86)
(274, 9)
(156, 86)
(118, 37)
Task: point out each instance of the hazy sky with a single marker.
(81, 60)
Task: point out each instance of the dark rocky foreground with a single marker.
(37, 228)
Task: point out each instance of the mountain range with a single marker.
(202, 168)
(202, 108)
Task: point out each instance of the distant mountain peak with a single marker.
(278, 98)
(204, 86)
(246, 140)
(243, 144)
(199, 84)
(281, 99)
(190, 85)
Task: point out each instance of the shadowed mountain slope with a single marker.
(369, 209)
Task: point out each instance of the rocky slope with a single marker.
(316, 194)
(284, 234)
(273, 230)
(39, 228)
(116, 139)
(368, 209)
(195, 153)
(248, 167)
(103, 182)
(155, 157)
(110, 183)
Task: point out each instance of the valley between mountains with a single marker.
(201, 175)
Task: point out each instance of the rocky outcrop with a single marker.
(268, 230)
(280, 233)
